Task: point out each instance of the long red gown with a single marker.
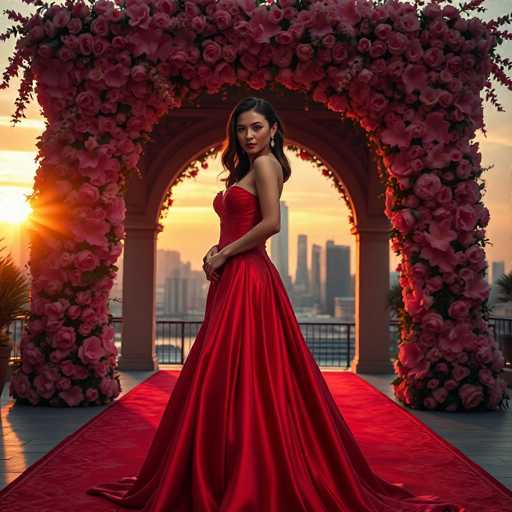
(251, 425)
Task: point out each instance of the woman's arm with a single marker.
(267, 185)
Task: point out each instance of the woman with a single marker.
(251, 424)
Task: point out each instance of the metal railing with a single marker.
(331, 343)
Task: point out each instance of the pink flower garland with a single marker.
(409, 74)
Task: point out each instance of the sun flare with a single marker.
(13, 205)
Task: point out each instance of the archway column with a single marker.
(372, 316)
(138, 350)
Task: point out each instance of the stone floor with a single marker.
(30, 432)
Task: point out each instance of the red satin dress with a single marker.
(251, 425)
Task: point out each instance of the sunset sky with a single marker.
(314, 206)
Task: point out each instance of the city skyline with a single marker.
(315, 208)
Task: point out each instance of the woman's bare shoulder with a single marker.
(269, 159)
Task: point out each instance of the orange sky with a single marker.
(314, 207)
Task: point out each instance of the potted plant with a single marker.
(14, 290)
(395, 304)
(504, 285)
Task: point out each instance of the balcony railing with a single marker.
(332, 344)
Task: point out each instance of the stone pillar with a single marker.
(372, 317)
(139, 311)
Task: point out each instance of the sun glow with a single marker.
(13, 205)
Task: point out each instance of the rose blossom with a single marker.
(64, 338)
(432, 322)
(91, 350)
(471, 395)
(460, 372)
(212, 52)
(440, 394)
(427, 186)
(72, 396)
(485, 377)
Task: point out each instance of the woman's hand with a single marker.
(213, 263)
(210, 275)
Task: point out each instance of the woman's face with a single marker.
(253, 132)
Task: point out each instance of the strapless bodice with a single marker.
(238, 210)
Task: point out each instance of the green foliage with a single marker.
(504, 284)
(395, 301)
(14, 291)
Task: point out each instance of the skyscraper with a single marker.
(302, 273)
(337, 279)
(279, 247)
(498, 269)
(316, 273)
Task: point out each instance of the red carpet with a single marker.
(113, 444)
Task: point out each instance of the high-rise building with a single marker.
(337, 279)
(279, 247)
(316, 273)
(498, 269)
(167, 262)
(302, 273)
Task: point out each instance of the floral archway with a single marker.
(410, 74)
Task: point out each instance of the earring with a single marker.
(272, 142)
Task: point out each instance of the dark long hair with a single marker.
(234, 159)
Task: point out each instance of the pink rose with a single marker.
(73, 312)
(485, 376)
(212, 52)
(432, 322)
(109, 387)
(61, 18)
(72, 396)
(222, 19)
(339, 52)
(410, 354)
(54, 310)
(116, 75)
(138, 14)
(397, 43)
(63, 383)
(427, 186)
(116, 210)
(86, 261)
(403, 220)
(44, 386)
(471, 395)
(91, 394)
(467, 192)
(466, 218)
(198, 24)
(475, 254)
(304, 52)
(91, 350)
(64, 338)
(100, 26)
(85, 43)
(459, 309)
(88, 102)
(408, 22)
(440, 394)
(484, 355)
(459, 373)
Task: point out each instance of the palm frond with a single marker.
(504, 284)
(14, 290)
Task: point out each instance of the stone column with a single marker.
(372, 317)
(139, 308)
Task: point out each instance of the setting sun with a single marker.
(13, 205)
